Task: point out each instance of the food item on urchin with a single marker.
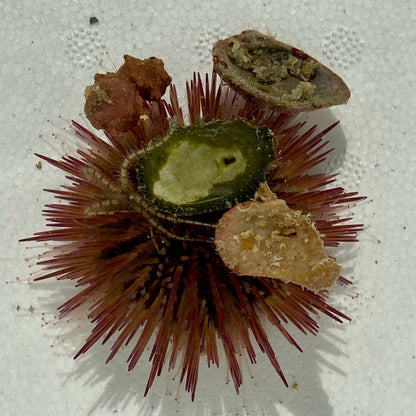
(275, 74)
(225, 163)
(269, 239)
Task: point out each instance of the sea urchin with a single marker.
(151, 270)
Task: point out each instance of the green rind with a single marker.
(255, 143)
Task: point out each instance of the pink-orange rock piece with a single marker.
(269, 239)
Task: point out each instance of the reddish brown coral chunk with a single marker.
(117, 103)
(112, 104)
(148, 74)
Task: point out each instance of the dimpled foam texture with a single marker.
(50, 52)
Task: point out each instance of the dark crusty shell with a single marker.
(328, 88)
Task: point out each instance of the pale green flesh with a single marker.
(185, 178)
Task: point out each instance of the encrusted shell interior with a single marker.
(275, 74)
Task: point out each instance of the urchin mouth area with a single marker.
(205, 168)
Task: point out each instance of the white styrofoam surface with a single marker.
(49, 52)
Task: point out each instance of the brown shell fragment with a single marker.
(275, 74)
(269, 239)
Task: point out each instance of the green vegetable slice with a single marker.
(205, 168)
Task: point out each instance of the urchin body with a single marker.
(151, 274)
